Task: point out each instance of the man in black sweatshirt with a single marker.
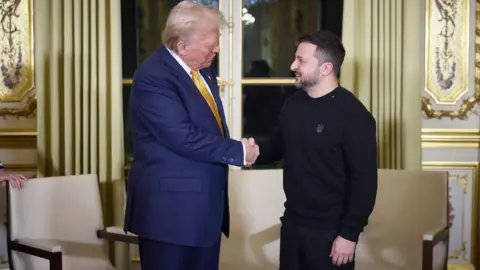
(327, 140)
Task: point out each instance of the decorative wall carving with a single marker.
(447, 50)
(447, 59)
(16, 53)
(28, 110)
(17, 57)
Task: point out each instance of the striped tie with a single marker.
(208, 98)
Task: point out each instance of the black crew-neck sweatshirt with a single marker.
(328, 145)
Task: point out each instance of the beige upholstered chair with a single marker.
(407, 230)
(57, 223)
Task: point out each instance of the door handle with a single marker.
(221, 85)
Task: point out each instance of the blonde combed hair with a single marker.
(184, 19)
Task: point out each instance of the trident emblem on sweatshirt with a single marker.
(319, 128)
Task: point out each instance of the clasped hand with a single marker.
(15, 180)
(343, 251)
(252, 151)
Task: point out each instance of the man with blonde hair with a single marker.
(177, 201)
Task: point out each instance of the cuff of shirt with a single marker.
(350, 233)
(244, 155)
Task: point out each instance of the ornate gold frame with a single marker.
(28, 110)
(464, 6)
(31, 68)
(469, 103)
(31, 103)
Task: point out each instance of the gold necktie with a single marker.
(208, 97)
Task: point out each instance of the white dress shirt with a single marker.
(189, 70)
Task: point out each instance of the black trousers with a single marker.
(307, 247)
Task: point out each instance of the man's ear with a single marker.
(181, 48)
(326, 68)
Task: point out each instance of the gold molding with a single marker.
(469, 103)
(461, 267)
(18, 139)
(28, 110)
(20, 167)
(450, 138)
(460, 253)
(220, 82)
(474, 167)
(273, 81)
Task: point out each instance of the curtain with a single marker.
(79, 95)
(384, 67)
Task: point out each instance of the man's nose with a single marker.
(293, 67)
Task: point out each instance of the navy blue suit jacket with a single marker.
(177, 186)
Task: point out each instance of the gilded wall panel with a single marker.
(16, 58)
(447, 49)
(463, 208)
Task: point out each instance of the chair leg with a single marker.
(56, 261)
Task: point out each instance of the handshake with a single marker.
(252, 151)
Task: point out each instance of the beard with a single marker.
(308, 81)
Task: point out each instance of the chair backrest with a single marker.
(256, 205)
(409, 204)
(64, 208)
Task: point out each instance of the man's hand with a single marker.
(343, 251)
(252, 151)
(15, 180)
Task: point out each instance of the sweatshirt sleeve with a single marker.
(272, 150)
(360, 151)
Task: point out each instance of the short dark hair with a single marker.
(329, 48)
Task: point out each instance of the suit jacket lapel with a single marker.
(171, 63)
(178, 70)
